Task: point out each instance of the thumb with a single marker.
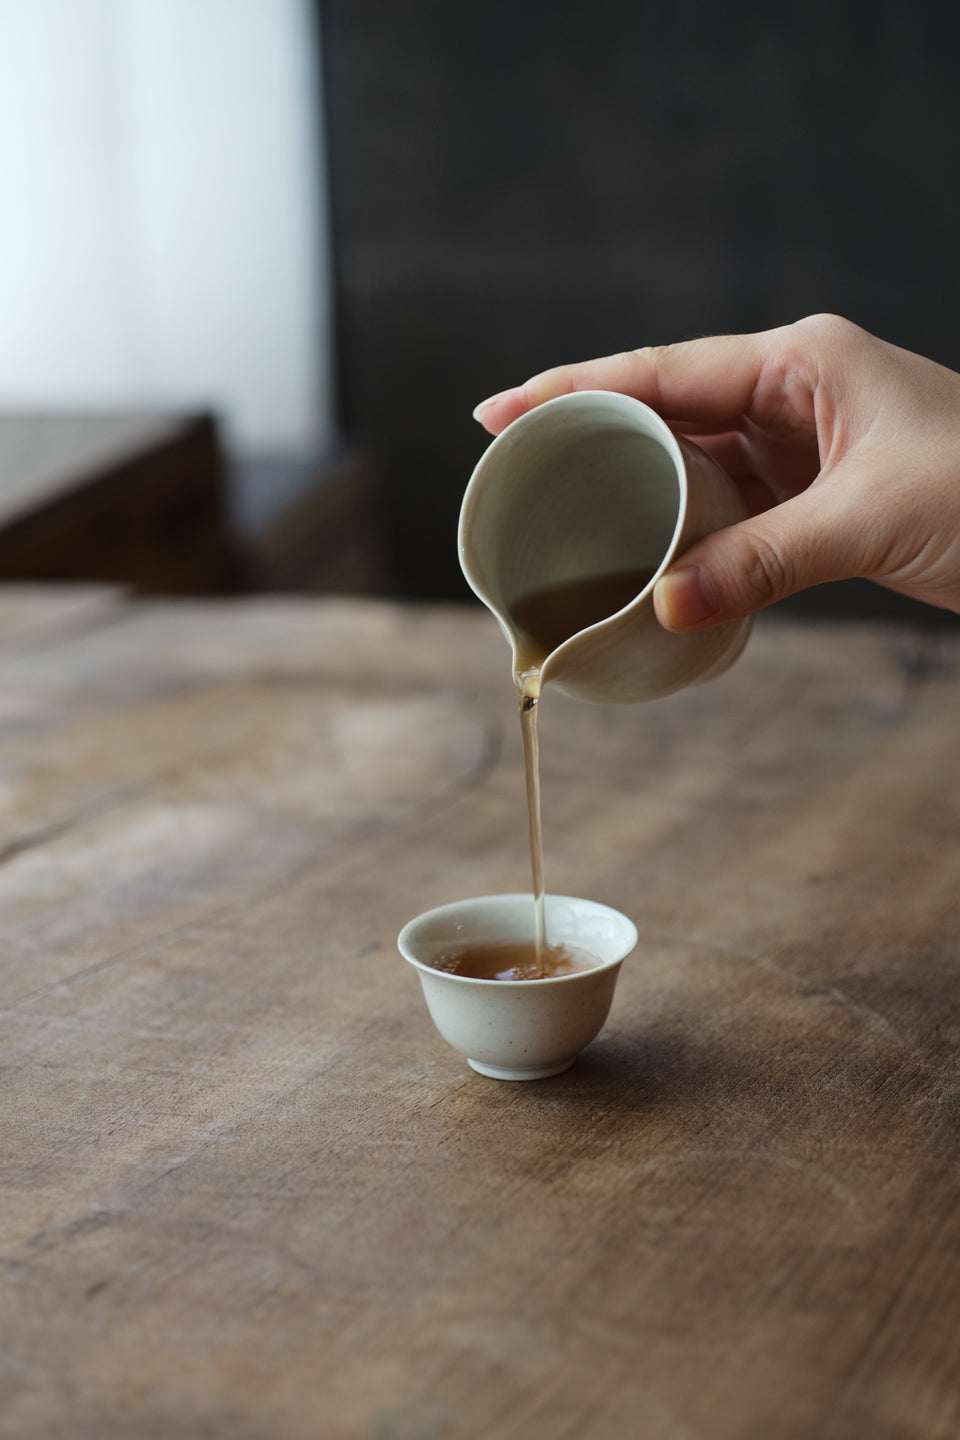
(733, 572)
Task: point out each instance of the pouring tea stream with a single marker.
(569, 519)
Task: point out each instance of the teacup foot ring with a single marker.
(516, 1072)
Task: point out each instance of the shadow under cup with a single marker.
(519, 1029)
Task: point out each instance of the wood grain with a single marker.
(248, 1192)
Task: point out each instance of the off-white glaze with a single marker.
(519, 1029)
(588, 484)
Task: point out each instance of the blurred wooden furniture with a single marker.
(136, 498)
(248, 1191)
(324, 538)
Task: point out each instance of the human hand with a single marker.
(846, 449)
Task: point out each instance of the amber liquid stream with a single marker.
(543, 620)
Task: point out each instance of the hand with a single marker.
(846, 449)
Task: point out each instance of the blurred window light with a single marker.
(164, 238)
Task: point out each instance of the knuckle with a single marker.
(767, 571)
(829, 329)
(649, 354)
(653, 359)
(547, 385)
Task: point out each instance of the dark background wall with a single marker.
(518, 184)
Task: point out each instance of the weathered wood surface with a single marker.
(247, 1191)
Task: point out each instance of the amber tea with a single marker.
(515, 960)
(548, 617)
(544, 619)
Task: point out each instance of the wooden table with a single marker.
(247, 1190)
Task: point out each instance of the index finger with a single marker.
(710, 381)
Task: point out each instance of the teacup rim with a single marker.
(601, 966)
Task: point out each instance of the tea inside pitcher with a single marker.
(543, 620)
(547, 617)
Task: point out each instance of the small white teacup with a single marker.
(519, 1029)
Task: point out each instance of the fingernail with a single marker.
(485, 404)
(685, 598)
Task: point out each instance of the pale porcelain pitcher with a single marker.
(595, 484)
